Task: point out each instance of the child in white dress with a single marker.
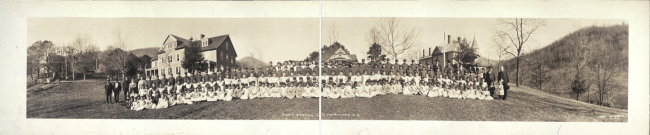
(212, 94)
(326, 89)
(246, 92)
(336, 91)
(435, 89)
(141, 104)
(228, 96)
(486, 93)
(407, 89)
(162, 102)
(424, 90)
(149, 103)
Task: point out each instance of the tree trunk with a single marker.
(578, 96)
(517, 72)
(588, 99)
(84, 75)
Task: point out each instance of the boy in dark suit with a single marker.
(109, 90)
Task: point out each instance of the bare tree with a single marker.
(518, 32)
(395, 38)
(334, 32)
(119, 60)
(86, 55)
(373, 36)
(605, 66)
(499, 42)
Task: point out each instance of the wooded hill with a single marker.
(599, 53)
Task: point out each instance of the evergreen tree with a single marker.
(193, 60)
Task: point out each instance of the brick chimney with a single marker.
(422, 52)
(429, 51)
(202, 36)
(459, 40)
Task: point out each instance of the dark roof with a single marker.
(353, 57)
(213, 42)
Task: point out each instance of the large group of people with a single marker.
(285, 80)
(347, 80)
(300, 79)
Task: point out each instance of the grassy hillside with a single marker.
(151, 51)
(560, 57)
(484, 61)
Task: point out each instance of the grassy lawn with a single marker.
(84, 99)
(523, 104)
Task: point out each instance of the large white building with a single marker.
(218, 50)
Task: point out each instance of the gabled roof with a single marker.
(437, 50)
(213, 42)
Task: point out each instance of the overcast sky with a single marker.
(278, 39)
(353, 31)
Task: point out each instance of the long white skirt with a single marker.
(228, 96)
(407, 92)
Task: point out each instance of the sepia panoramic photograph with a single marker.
(173, 68)
(475, 69)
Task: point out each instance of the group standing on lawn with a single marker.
(288, 80)
(301, 80)
(347, 80)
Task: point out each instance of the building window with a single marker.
(178, 57)
(226, 56)
(226, 45)
(221, 56)
(205, 43)
(178, 71)
(174, 44)
(162, 71)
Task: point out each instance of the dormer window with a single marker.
(204, 43)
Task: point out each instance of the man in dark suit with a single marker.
(109, 90)
(489, 79)
(116, 91)
(504, 76)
